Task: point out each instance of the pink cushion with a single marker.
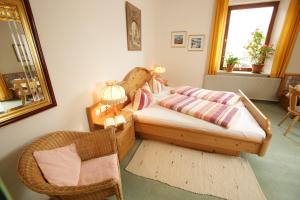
(61, 166)
(156, 85)
(142, 99)
(99, 169)
(147, 87)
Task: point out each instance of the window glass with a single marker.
(242, 23)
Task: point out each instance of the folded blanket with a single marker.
(213, 112)
(228, 98)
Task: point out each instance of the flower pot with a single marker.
(229, 68)
(257, 68)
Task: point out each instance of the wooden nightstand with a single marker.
(125, 137)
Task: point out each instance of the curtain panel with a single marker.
(219, 26)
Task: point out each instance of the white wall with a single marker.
(267, 91)
(294, 64)
(276, 32)
(193, 16)
(83, 43)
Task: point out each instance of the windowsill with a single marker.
(242, 73)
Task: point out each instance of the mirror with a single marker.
(25, 86)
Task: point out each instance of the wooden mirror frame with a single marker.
(25, 16)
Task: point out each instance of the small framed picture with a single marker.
(178, 39)
(196, 42)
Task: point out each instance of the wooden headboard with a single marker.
(135, 79)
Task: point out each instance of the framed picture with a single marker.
(196, 42)
(133, 24)
(178, 39)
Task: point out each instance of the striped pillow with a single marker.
(142, 99)
(147, 87)
(156, 85)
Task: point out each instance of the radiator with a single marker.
(255, 87)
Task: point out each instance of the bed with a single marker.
(251, 133)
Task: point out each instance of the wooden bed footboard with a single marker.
(261, 119)
(196, 139)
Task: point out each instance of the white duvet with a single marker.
(244, 126)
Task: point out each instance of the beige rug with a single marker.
(223, 176)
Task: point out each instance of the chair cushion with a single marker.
(60, 166)
(99, 169)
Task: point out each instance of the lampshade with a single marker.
(158, 69)
(113, 94)
(297, 87)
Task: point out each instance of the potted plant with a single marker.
(231, 61)
(258, 51)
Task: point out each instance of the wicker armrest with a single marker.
(52, 190)
(96, 144)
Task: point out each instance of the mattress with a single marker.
(244, 127)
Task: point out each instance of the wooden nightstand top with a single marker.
(100, 119)
(95, 120)
(125, 133)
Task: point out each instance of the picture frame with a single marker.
(178, 39)
(134, 27)
(196, 42)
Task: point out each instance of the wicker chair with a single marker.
(89, 145)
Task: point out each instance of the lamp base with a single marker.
(116, 110)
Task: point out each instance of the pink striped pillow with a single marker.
(142, 99)
(156, 85)
(147, 87)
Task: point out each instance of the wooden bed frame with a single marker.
(200, 140)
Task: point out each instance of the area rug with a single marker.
(227, 177)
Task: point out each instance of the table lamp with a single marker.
(157, 69)
(297, 87)
(113, 94)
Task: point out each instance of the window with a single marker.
(242, 20)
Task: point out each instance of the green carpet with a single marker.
(278, 172)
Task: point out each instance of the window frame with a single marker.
(273, 4)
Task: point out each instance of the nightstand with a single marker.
(125, 136)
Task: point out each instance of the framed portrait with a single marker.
(196, 42)
(133, 24)
(178, 39)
